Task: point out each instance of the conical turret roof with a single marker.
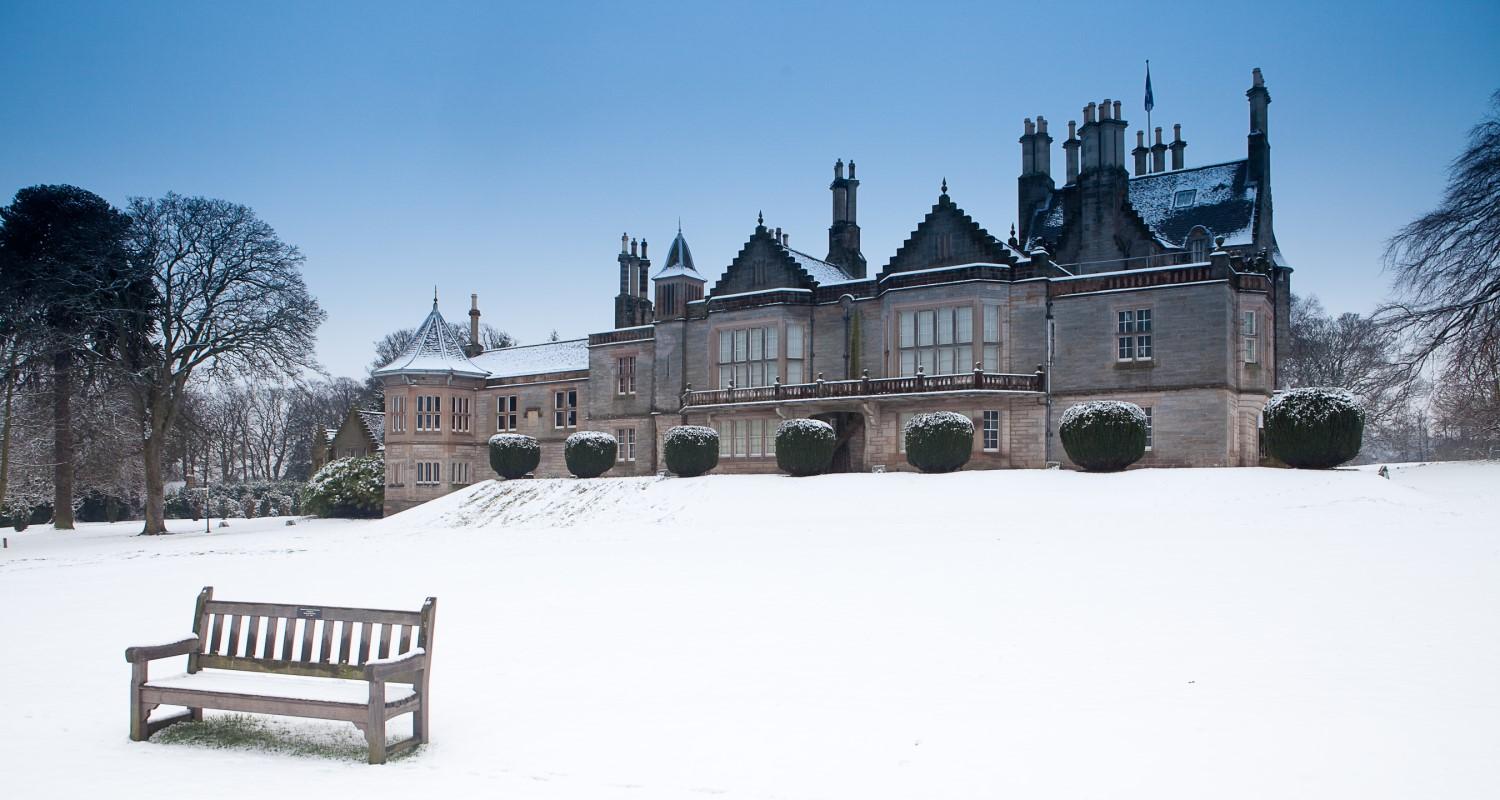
(433, 350)
(679, 261)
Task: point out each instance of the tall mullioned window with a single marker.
(396, 415)
(459, 407)
(429, 412)
(1249, 341)
(747, 438)
(429, 473)
(505, 412)
(565, 409)
(939, 340)
(625, 438)
(1133, 335)
(1150, 428)
(991, 360)
(752, 356)
(625, 369)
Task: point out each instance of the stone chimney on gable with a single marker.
(632, 304)
(1140, 152)
(474, 347)
(1035, 185)
(1158, 153)
(843, 234)
(1177, 147)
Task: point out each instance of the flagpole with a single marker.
(1149, 129)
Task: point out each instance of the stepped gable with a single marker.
(433, 350)
(766, 263)
(948, 236)
(374, 424)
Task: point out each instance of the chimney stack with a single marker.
(474, 347)
(624, 238)
(643, 248)
(632, 247)
(1140, 152)
(1177, 146)
(1070, 148)
(1158, 153)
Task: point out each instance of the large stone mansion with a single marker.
(1134, 279)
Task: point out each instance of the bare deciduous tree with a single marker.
(234, 305)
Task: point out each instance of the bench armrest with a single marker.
(181, 647)
(382, 668)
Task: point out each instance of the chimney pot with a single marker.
(643, 248)
(838, 169)
(1041, 124)
(851, 169)
(632, 247)
(1117, 109)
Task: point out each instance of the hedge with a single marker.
(691, 450)
(938, 441)
(804, 447)
(590, 454)
(512, 455)
(1104, 435)
(1314, 428)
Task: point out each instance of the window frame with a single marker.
(989, 431)
(564, 409)
(625, 375)
(429, 413)
(1134, 334)
(941, 332)
(507, 419)
(1150, 428)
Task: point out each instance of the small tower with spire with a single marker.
(678, 282)
(632, 305)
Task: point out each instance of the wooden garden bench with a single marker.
(359, 665)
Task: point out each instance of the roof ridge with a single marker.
(537, 344)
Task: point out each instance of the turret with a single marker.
(678, 283)
(843, 234)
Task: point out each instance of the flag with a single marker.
(1150, 102)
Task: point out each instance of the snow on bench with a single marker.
(359, 665)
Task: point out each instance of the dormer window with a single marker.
(1198, 246)
(1184, 198)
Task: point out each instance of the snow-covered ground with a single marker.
(1233, 633)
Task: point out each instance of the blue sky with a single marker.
(503, 148)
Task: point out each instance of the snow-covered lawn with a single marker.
(1154, 634)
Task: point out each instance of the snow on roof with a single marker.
(818, 269)
(433, 350)
(1223, 202)
(535, 359)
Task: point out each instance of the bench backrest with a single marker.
(324, 641)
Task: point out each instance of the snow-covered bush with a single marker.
(1314, 428)
(512, 455)
(939, 441)
(590, 454)
(1104, 435)
(348, 487)
(804, 446)
(16, 515)
(691, 450)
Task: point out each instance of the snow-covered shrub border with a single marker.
(512, 455)
(938, 441)
(1314, 427)
(1103, 435)
(348, 487)
(805, 446)
(690, 450)
(590, 454)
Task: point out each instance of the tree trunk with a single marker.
(156, 490)
(10, 393)
(62, 441)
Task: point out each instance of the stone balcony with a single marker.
(976, 382)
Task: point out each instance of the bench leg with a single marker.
(419, 716)
(375, 723)
(138, 710)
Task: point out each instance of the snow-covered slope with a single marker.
(1156, 633)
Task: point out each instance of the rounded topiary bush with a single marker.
(512, 455)
(804, 446)
(939, 441)
(590, 453)
(348, 487)
(1104, 435)
(1314, 428)
(691, 450)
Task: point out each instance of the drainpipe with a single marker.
(1047, 387)
(847, 301)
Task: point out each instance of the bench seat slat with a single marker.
(385, 642)
(252, 636)
(325, 651)
(364, 641)
(216, 636)
(405, 645)
(346, 629)
(288, 628)
(268, 649)
(232, 648)
(328, 612)
(305, 651)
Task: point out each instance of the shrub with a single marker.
(16, 515)
(804, 446)
(1314, 428)
(691, 450)
(348, 487)
(1104, 435)
(512, 455)
(590, 453)
(939, 441)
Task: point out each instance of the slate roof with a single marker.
(679, 261)
(374, 422)
(819, 270)
(1224, 204)
(433, 350)
(534, 359)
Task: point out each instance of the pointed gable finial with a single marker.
(760, 218)
(945, 186)
(434, 297)
(679, 226)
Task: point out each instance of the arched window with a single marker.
(1197, 243)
